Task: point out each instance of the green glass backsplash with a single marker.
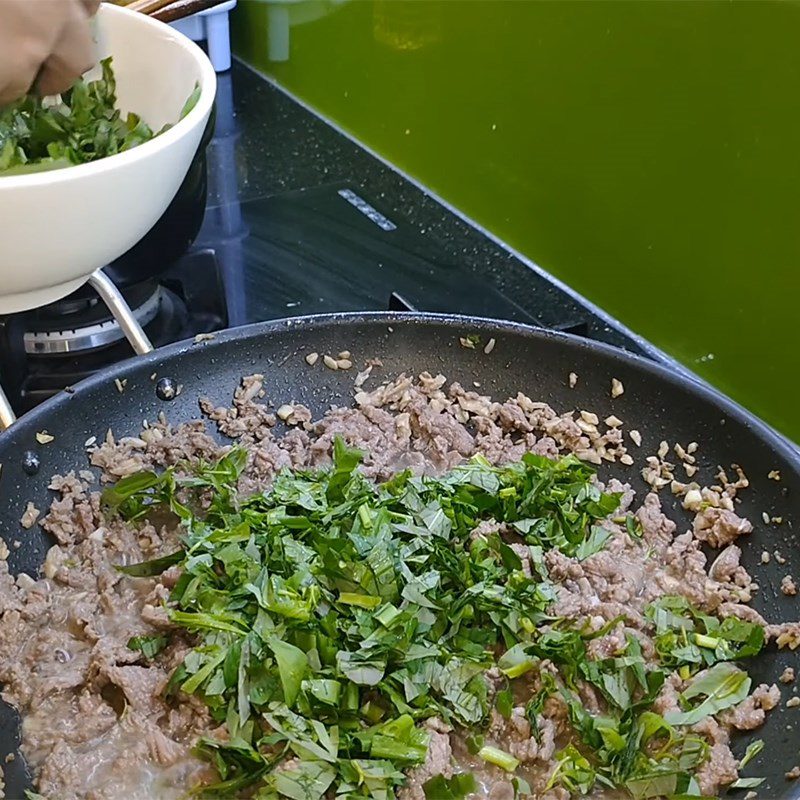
(646, 153)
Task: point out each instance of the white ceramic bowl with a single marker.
(58, 227)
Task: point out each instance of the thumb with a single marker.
(28, 33)
(71, 56)
(91, 6)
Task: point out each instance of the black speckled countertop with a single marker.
(289, 242)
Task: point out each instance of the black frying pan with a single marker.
(660, 404)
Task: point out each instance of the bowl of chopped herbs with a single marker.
(85, 176)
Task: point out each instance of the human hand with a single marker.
(44, 42)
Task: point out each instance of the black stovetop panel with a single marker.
(305, 221)
(312, 252)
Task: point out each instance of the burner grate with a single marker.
(54, 334)
(46, 351)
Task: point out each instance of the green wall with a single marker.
(644, 152)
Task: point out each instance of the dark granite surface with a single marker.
(289, 243)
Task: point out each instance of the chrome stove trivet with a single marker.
(91, 336)
(125, 321)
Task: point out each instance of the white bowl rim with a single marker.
(208, 87)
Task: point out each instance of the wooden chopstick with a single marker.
(169, 10)
(148, 6)
(178, 9)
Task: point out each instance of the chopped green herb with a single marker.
(504, 703)
(499, 758)
(458, 787)
(594, 544)
(148, 646)
(147, 569)
(747, 783)
(83, 125)
(687, 637)
(633, 526)
(722, 686)
(573, 771)
(753, 749)
(332, 616)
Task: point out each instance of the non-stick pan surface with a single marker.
(662, 406)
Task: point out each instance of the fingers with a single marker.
(18, 79)
(28, 32)
(50, 39)
(91, 6)
(71, 55)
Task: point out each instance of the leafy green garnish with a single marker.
(82, 125)
(504, 702)
(191, 101)
(332, 616)
(148, 646)
(753, 749)
(499, 758)
(594, 544)
(147, 569)
(722, 686)
(634, 526)
(309, 780)
(292, 665)
(456, 788)
(573, 771)
(687, 637)
(747, 783)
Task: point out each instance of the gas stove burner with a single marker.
(92, 327)
(46, 350)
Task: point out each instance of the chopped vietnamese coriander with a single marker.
(332, 618)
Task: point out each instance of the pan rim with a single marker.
(776, 441)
